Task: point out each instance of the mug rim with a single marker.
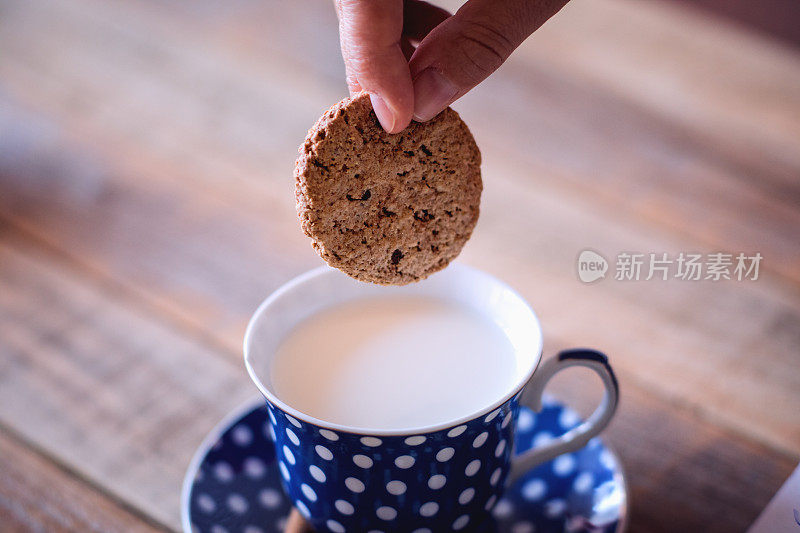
(405, 432)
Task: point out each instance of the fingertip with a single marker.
(433, 92)
(390, 119)
(383, 112)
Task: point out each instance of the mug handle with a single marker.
(578, 437)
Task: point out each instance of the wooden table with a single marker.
(146, 208)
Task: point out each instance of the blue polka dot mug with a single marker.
(423, 479)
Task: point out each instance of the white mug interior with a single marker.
(325, 287)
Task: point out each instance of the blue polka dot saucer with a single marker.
(233, 483)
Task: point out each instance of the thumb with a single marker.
(466, 48)
(370, 33)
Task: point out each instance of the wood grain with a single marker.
(777, 18)
(684, 473)
(110, 391)
(146, 208)
(715, 130)
(611, 96)
(107, 389)
(210, 248)
(36, 495)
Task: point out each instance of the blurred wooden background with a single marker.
(146, 208)
(777, 18)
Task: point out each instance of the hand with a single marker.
(297, 524)
(415, 59)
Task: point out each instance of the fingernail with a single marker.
(383, 112)
(432, 93)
